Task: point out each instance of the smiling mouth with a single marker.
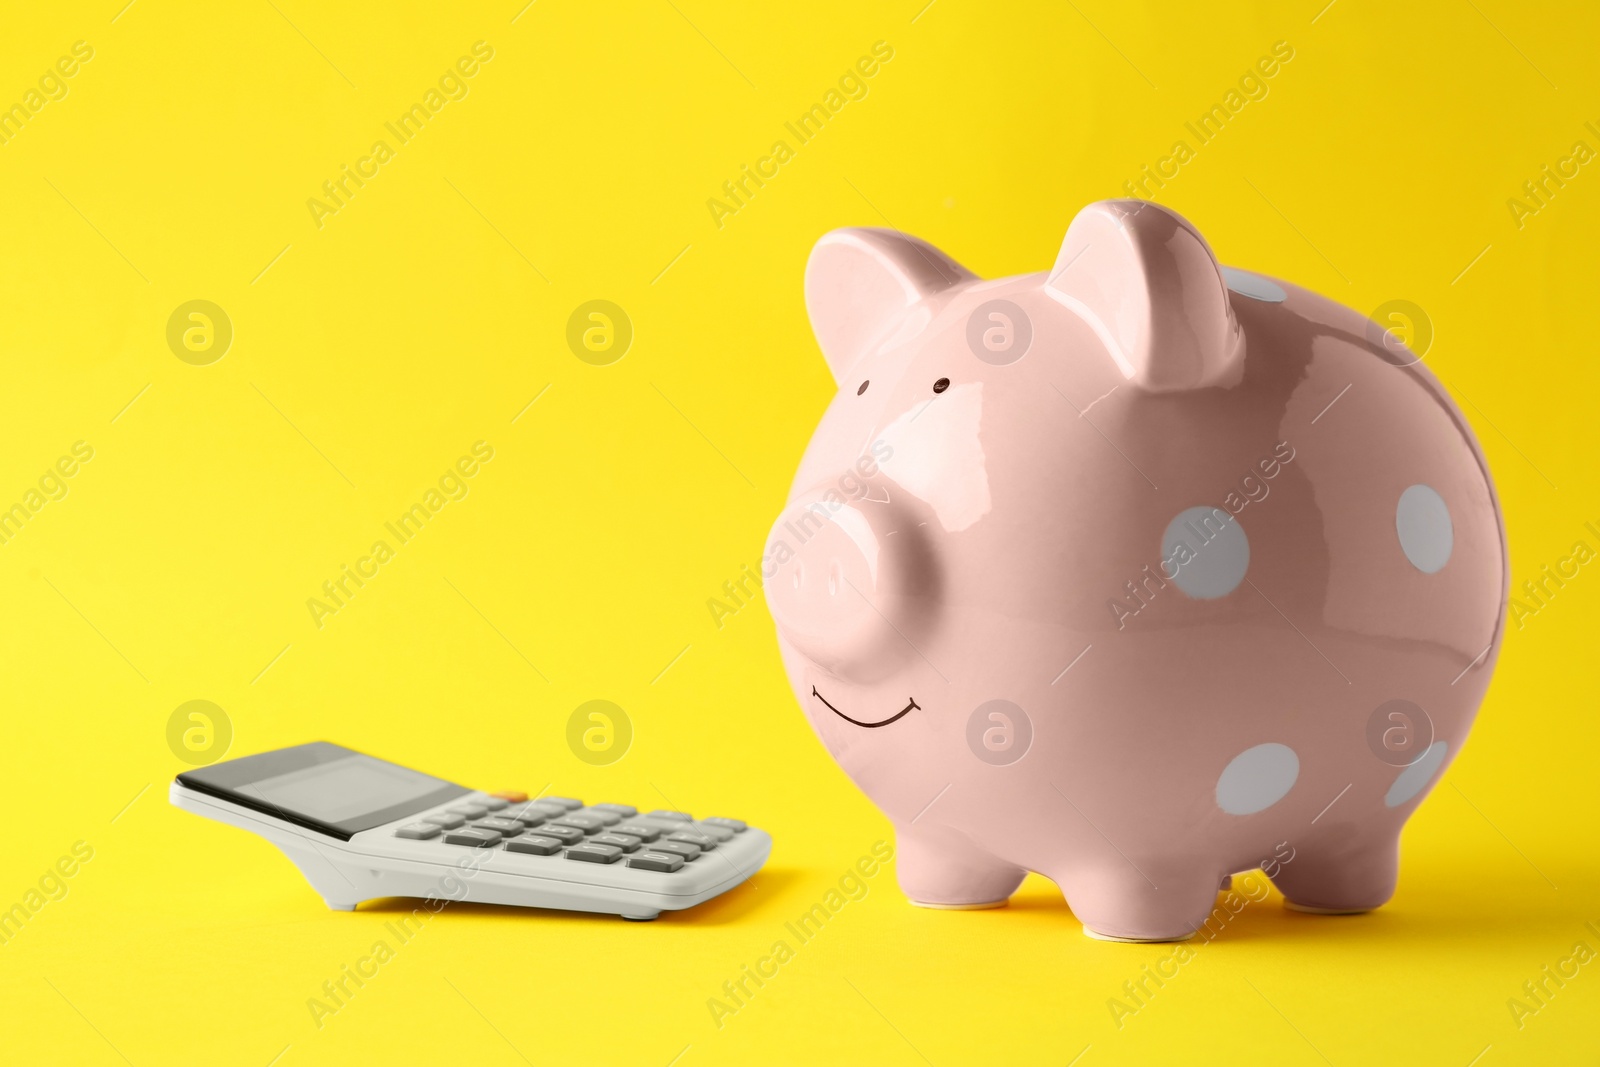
(911, 705)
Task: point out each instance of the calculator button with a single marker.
(609, 818)
(527, 816)
(534, 844)
(643, 831)
(586, 821)
(420, 831)
(594, 853)
(674, 816)
(473, 836)
(656, 861)
(506, 827)
(705, 842)
(567, 835)
(511, 796)
(625, 811)
(738, 826)
(722, 835)
(566, 802)
(677, 848)
(444, 819)
(625, 842)
(493, 803)
(544, 811)
(470, 811)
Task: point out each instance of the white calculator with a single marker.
(361, 828)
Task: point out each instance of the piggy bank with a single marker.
(1136, 573)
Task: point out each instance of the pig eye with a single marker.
(941, 385)
(863, 387)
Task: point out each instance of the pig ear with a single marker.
(1147, 283)
(859, 280)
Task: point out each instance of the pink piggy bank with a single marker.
(1136, 574)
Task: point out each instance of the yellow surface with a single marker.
(424, 314)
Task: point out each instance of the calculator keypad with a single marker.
(659, 841)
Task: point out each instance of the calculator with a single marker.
(359, 828)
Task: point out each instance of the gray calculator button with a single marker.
(705, 842)
(470, 811)
(445, 819)
(607, 818)
(585, 821)
(675, 816)
(625, 842)
(506, 827)
(626, 811)
(722, 834)
(534, 844)
(526, 817)
(594, 853)
(420, 831)
(656, 861)
(738, 826)
(544, 811)
(566, 802)
(492, 803)
(676, 848)
(473, 836)
(643, 831)
(567, 835)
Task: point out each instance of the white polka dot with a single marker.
(1257, 778)
(1208, 550)
(1419, 774)
(1422, 520)
(1254, 286)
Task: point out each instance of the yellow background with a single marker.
(425, 315)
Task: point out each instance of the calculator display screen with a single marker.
(323, 787)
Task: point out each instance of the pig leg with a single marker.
(1341, 877)
(1118, 901)
(940, 868)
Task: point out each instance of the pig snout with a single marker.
(850, 584)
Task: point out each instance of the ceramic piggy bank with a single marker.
(1136, 574)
